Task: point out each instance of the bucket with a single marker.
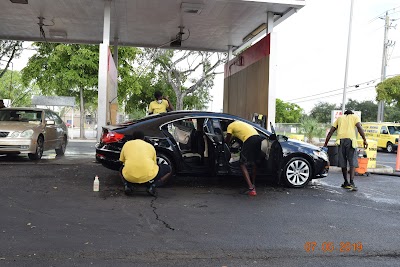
(362, 165)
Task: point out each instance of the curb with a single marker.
(381, 169)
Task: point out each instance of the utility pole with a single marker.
(381, 104)
(347, 59)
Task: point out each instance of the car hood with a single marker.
(18, 126)
(303, 144)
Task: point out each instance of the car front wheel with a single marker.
(389, 147)
(297, 172)
(163, 159)
(61, 151)
(39, 149)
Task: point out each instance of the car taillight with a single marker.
(111, 137)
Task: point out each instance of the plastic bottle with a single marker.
(96, 184)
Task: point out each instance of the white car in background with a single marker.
(31, 131)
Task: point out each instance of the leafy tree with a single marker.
(311, 128)
(72, 70)
(11, 87)
(392, 113)
(389, 90)
(287, 112)
(368, 109)
(322, 112)
(189, 72)
(8, 51)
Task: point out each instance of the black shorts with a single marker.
(251, 149)
(163, 169)
(347, 153)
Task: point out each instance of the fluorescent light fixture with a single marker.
(254, 33)
(58, 34)
(19, 1)
(192, 8)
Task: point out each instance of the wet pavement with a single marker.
(51, 217)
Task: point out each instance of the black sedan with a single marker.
(192, 142)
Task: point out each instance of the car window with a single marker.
(394, 129)
(20, 115)
(384, 130)
(56, 118)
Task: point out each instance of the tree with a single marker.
(11, 87)
(8, 51)
(287, 112)
(311, 128)
(189, 72)
(72, 70)
(322, 112)
(389, 90)
(368, 109)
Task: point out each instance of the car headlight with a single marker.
(321, 154)
(27, 133)
(24, 134)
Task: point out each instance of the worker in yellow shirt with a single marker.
(251, 150)
(347, 141)
(160, 105)
(140, 165)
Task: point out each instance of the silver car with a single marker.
(31, 131)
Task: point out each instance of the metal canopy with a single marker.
(209, 25)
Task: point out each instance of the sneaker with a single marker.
(250, 192)
(347, 186)
(128, 190)
(151, 190)
(354, 187)
(344, 185)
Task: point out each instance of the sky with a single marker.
(312, 48)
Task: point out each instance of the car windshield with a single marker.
(20, 115)
(394, 129)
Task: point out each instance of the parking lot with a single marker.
(51, 216)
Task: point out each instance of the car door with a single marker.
(50, 129)
(219, 150)
(384, 137)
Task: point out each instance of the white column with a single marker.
(103, 68)
(272, 72)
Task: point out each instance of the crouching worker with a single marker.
(140, 165)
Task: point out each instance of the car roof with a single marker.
(25, 108)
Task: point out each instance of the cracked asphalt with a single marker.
(51, 217)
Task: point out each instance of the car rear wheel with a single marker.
(61, 151)
(164, 159)
(297, 172)
(389, 147)
(39, 149)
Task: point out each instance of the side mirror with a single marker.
(385, 132)
(50, 122)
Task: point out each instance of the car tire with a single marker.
(297, 172)
(39, 149)
(61, 151)
(164, 159)
(389, 147)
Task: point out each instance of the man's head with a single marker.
(158, 95)
(2, 103)
(348, 112)
(138, 135)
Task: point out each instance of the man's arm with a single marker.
(228, 138)
(170, 107)
(328, 137)
(361, 131)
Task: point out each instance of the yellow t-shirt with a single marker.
(156, 108)
(241, 130)
(345, 127)
(140, 163)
